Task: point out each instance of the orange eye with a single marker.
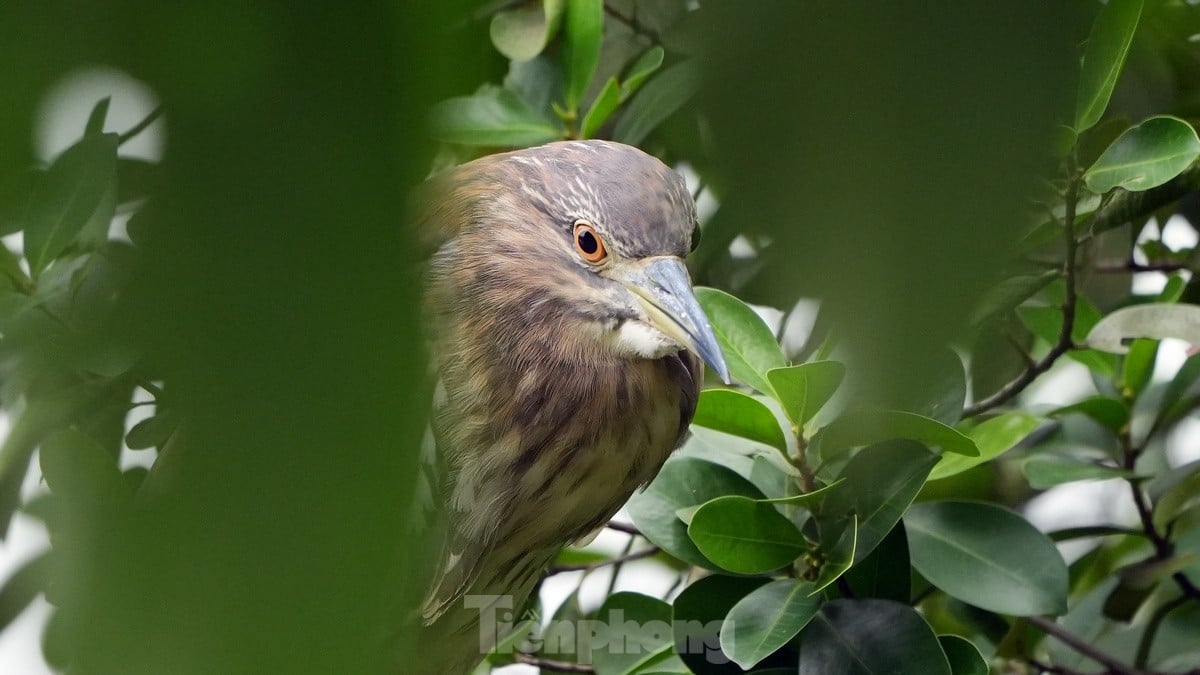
(588, 243)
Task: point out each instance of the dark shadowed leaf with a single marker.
(745, 536)
(633, 628)
(492, 117)
(738, 414)
(1103, 58)
(870, 637)
(700, 612)
(767, 619)
(804, 389)
(683, 482)
(987, 556)
(95, 122)
(657, 101)
(1145, 156)
(963, 655)
(151, 432)
(885, 572)
(749, 347)
(993, 437)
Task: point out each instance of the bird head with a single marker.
(587, 236)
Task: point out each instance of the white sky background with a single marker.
(60, 124)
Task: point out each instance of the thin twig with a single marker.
(551, 665)
(636, 555)
(1080, 645)
(141, 126)
(616, 568)
(633, 24)
(1053, 670)
(1131, 267)
(623, 527)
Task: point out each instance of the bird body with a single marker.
(565, 338)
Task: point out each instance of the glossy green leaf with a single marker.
(635, 628)
(963, 655)
(583, 32)
(683, 482)
(802, 390)
(745, 536)
(491, 117)
(699, 616)
(865, 427)
(151, 432)
(603, 107)
(1103, 58)
(880, 482)
(748, 345)
(658, 99)
(1114, 332)
(987, 556)
(1046, 471)
(736, 413)
(870, 637)
(1109, 412)
(637, 74)
(993, 437)
(523, 32)
(766, 619)
(73, 189)
(807, 498)
(839, 542)
(1145, 156)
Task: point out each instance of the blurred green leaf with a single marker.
(1009, 293)
(79, 471)
(1108, 412)
(603, 107)
(870, 637)
(523, 32)
(741, 415)
(745, 536)
(492, 117)
(766, 619)
(1145, 156)
(16, 192)
(749, 347)
(880, 482)
(151, 432)
(22, 586)
(1155, 320)
(963, 655)
(1046, 471)
(988, 556)
(683, 482)
(1136, 582)
(95, 121)
(136, 179)
(993, 437)
(1173, 290)
(864, 427)
(645, 66)
(583, 33)
(669, 91)
(1103, 58)
(804, 389)
(1138, 367)
(1178, 498)
(74, 187)
(636, 628)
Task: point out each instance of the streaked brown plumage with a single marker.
(564, 382)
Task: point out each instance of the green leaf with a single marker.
(699, 616)
(522, 33)
(603, 107)
(886, 572)
(748, 345)
(865, 427)
(1138, 367)
(73, 189)
(993, 437)
(491, 117)
(645, 66)
(1109, 412)
(1009, 293)
(736, 413)
(1046, 471)
(870, 637)
(880, 482)
(151, 432)
(22, 587)
(987, 556)
(1145, 156)
(584, 32)
(1103, 58)
(808, 497)
(683, 482)
(963, 655)
(745, 536)
(657, 101)
(95, 122)
(16, 192)
(1178, 498)
(766, 619)
(802, 390)
(839, 541)
(1156, 320)
(78, 470)
(634, 628)
(1176, 396)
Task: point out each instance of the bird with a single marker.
(568, 346)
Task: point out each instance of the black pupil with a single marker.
(587, 242)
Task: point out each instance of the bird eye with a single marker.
(588, 243)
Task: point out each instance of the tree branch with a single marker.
(551, 665)
(636, 555)
(633, 24)
(622, 527)
(1080, 645)
(141, 126)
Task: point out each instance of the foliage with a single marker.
(836, 509)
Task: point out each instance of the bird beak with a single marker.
(664, 290)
